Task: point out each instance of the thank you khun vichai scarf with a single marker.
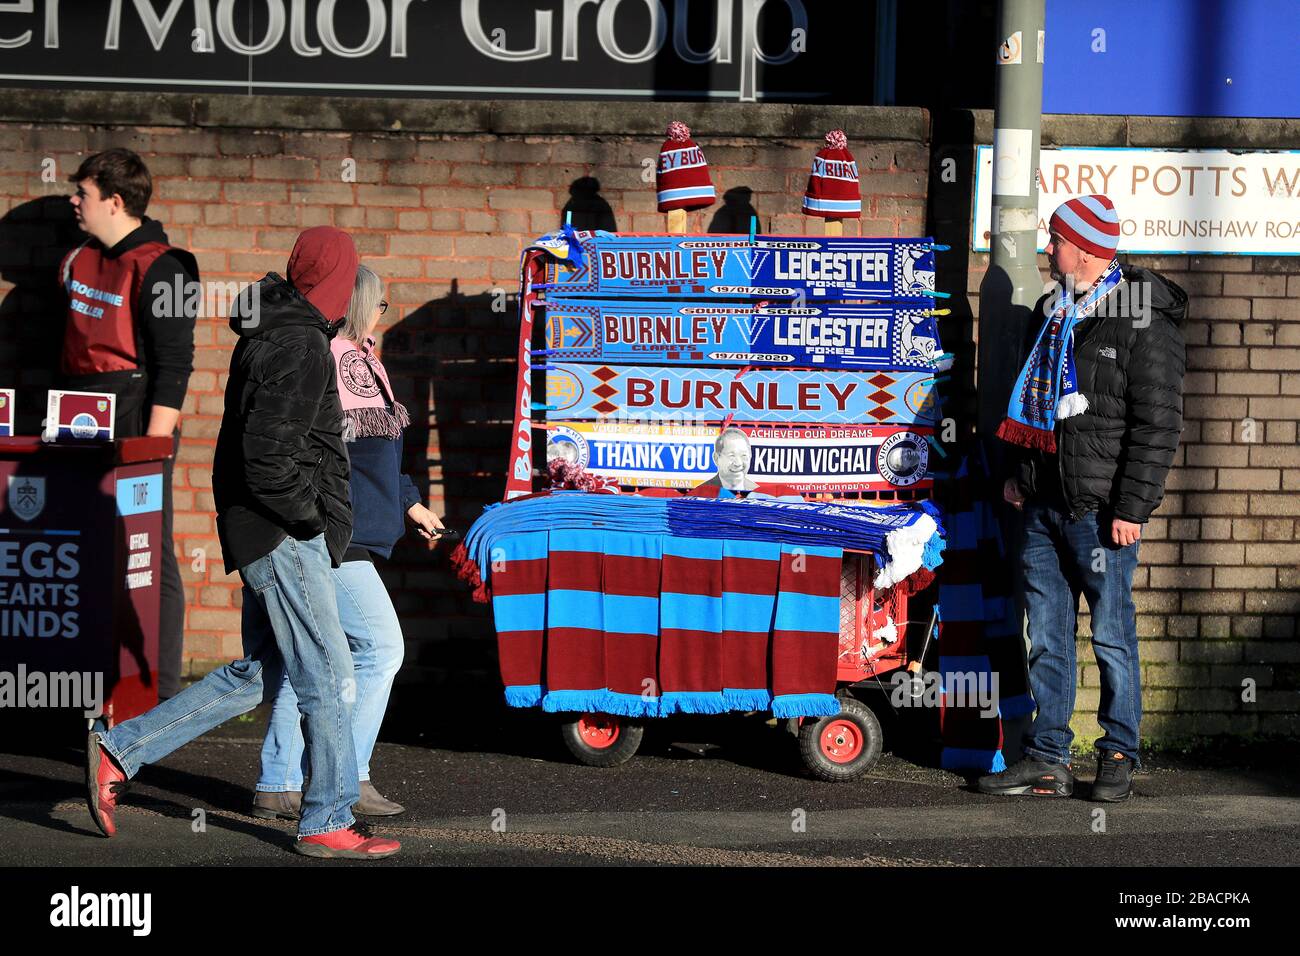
(1048, 387)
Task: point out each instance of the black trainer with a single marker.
(1114, 778)
(1029, 777)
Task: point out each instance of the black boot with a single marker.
(1114, 778)
(1030, 777)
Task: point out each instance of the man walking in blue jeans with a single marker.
(1098, 412)
(280, 479)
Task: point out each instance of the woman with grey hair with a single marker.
(382, 497)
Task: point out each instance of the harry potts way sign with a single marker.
(805, 459)
(835, 336)
(766, 267)
(647, 393)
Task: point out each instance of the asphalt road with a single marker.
(501, 789)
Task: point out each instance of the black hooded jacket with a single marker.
(1114, 457)
(281, 468)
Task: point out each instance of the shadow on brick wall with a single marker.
(736, 211)
(452, 363)
(587, 208)
(948, 219)
(34, 237)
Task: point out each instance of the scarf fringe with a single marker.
(742, 699)
(805, 705)
(467, 572)
(629, 705)
(1018, 433)
(907, 550)
(524, 695)
(692, 702)
(1071, 404)
(375, 422)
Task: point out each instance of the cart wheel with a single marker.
(842, 747)
(602, 740)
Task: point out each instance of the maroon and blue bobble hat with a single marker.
(833, 190)
(1090, 222)
(682, 177)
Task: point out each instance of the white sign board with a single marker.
(1169, 201)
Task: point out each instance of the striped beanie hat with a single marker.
(833, 191)
(1090, 222)
(682, 177)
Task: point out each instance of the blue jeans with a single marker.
(291, 629)
(1062, 559)
(375, 636)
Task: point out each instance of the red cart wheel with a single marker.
(842, 747)
(602, 740)
(840, 741)
(598, 731)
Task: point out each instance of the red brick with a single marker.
(406, 196)
(193, 189)
(419, 174)
(280, 167)
(321, 193)
(521, 199)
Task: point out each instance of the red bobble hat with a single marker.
(1090, 222)
(682, 178)
(833, 189)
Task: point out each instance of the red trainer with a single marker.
(104, 784)
(357, 842)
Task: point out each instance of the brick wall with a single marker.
(440, 198)
(1218, 586)
(442, 195)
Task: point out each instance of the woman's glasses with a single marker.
(383, 306)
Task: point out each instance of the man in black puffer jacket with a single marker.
(280, 479)
(1085, 502)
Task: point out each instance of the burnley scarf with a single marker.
(369, 409)
(646, 625)
(906, 539)
(981, 653)
(1047, 387)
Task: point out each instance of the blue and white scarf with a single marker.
(1048, 387)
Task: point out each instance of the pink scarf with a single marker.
(369, 409)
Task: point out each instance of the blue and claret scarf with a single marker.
(1047, 388)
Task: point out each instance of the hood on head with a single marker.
(323, 267)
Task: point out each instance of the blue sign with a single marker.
(139, 495)
(699, 333)
(728, 267)
(1171, 58)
